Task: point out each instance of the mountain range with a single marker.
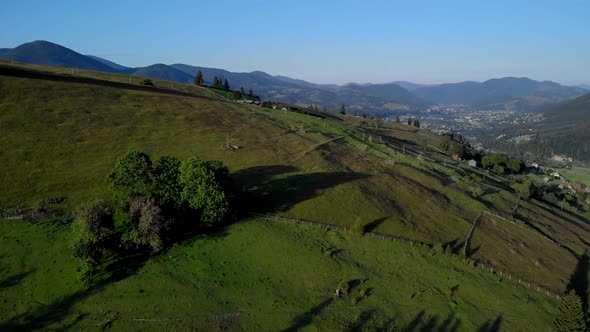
(521, 94)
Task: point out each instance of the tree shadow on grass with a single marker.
(491, 326)
(579, 279)
(306, 318)
(374, 224)
(264, 190)
(421, 323)
(13, 280)
(56, 312)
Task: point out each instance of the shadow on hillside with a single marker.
(491, 326)
(263, 188)
(13, 280)
(306, 318)
(370, 227)
(56, 312)
(579, 279)
(432, 323)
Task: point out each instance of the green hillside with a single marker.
(62, 135)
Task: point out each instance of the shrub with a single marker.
(358, 227)
(147, 82)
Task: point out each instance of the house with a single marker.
(577, 186)
(555, 175)
(455, 156)
(472, 163)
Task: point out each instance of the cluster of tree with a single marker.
(220, 83)
(565, 200)
(413, 122)
(502, 164)
(151, 206)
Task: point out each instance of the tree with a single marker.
(226, 85)
(199, 79)
(342, 110)
(201, 191)
(522, 189)
(165, 179)
(242, 91)
(217, 82)
(486, 162)
(570, 315)
(515, 166)
(131, 176)
(409, 121)
(250, 93)
(416, 123)
(397, 119)
(147, 82)
(238, 95)
(93, 230)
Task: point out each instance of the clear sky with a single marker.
(323, 41)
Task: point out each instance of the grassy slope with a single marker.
(258, 276)
(62, 138)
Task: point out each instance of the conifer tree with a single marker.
(225, 84)
(199, 79)
(342, 110)
(250, 93)
(570, 314)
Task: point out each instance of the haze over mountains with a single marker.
(521, 94)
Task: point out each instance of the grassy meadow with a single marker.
(259, 275)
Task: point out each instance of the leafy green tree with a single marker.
(523, 189)
(199, 79)
(486, 162)
(515, 165)
(165, 179)
(201, 190)
(131, 176)
(93, 231)
(570, 314)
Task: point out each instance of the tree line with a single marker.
(223, 84)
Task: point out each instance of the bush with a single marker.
(147, 82)
(358, 227)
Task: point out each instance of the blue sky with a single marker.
(323, 41)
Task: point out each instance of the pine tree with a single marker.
(570, 314)
(242, 91)
(199, 79)
(250, 93)
(225, 84)
(409, 121)
(342, 110)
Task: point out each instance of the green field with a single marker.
(62, 134)
(578, 174)
(258, 275)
